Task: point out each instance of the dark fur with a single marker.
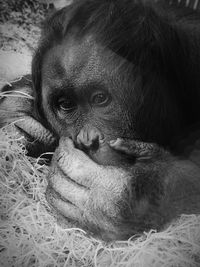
(162, 42)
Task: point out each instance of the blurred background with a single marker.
(20, 22)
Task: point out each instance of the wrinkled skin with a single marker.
(114, 203)
(139, 191)
(110, 173)
(110, 202)
(17, 108)
(111, 187)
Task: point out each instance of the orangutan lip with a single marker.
(56, 195)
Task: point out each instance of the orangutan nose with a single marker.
(89, 138)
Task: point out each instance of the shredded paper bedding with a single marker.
(30, 235)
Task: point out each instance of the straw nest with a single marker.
(30, 236)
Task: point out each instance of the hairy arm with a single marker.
(115, 203)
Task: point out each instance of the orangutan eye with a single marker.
(100, 99)
(66, 104)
